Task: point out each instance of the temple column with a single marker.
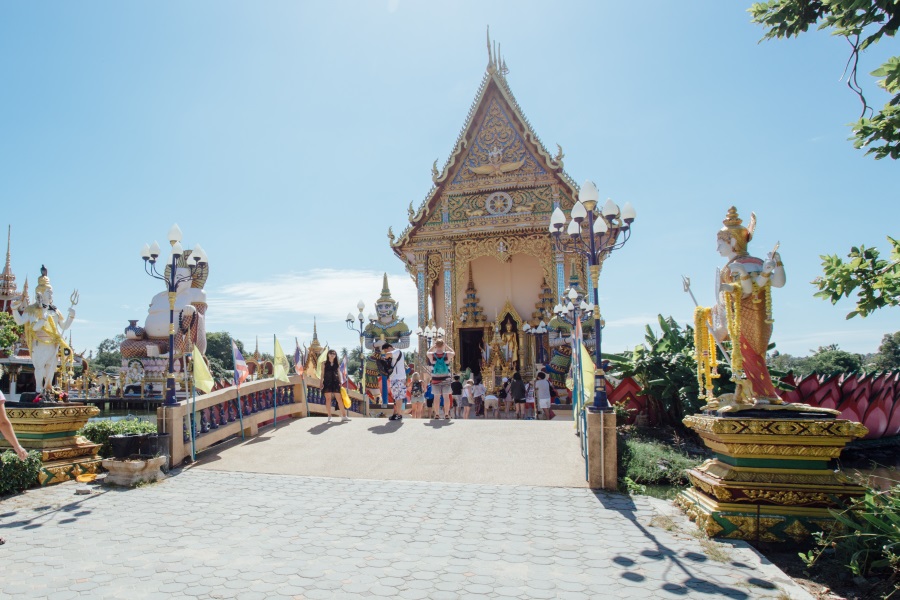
(448, 299)
(560, 274)
(422, 299)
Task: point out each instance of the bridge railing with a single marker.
(218, 415)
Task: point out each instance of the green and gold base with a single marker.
(52, 430)
(771, 478)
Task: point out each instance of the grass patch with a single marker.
(655, 463)
(714, 551)
(663, 522)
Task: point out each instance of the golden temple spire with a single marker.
(471, 285)
(7, 279)
(315, 333)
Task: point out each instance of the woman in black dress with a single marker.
(331, 385)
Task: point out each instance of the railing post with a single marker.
(602, 450)
(170, 419)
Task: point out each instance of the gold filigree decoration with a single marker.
(538, 200)
(498, 151)
(502, 248)
(776, 427)
(433, 270)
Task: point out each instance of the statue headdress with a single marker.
(43, 284)
(734, 230)
(386, 293)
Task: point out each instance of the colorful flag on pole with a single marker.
(241, 372)
(298, 358)
(203, 380)
(587, 374)
(320, 365)
(345, 377)
(343, 371)
(280, 364)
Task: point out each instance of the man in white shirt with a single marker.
(542, 394)
(393, 359)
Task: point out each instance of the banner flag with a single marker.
(320, 365)
(241, 372)
(203, 380)
(298, 358)
(280, 364)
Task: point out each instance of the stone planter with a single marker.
(131, 472)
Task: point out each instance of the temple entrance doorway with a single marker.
(470, 343)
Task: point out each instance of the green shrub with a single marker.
(655, 463)
(99, 431)
(17, 475)
(867, 539)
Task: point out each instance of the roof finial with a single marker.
(471, 281)
(490, 65)
(315, 333)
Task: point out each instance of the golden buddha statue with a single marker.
(510, 340)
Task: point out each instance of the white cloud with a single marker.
(393, 5)
(330, 293)
(326, 294)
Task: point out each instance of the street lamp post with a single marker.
(604, 230)
(150, 253)
(430, 332)
(360, 329)
(538, 332)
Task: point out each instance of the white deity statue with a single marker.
(44, 327)
(157, 323)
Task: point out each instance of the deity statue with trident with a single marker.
(743, 316)
(44, 327)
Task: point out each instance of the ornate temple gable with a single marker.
(496, 151)
(497, 154)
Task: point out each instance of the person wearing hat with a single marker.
(440, 357)
(467, 398)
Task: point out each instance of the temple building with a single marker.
(17, 373)
(478, 247)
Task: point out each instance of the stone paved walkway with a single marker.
(208, 534)
(458, 451)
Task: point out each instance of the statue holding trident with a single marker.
(743, 316)
(44, 327)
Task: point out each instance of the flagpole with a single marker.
(240, 410)
(274, 386)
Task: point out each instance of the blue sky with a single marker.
(286, 137)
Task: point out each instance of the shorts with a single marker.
(334, 388)
(491, 404)
(522, 401)
(462, 401)
(418, 399)
(544, 403)
(398, 390)
(441, 389)
(429, 402)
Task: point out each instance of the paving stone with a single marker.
(268, 536)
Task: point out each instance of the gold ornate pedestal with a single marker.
(771, 478)
(52, 430)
